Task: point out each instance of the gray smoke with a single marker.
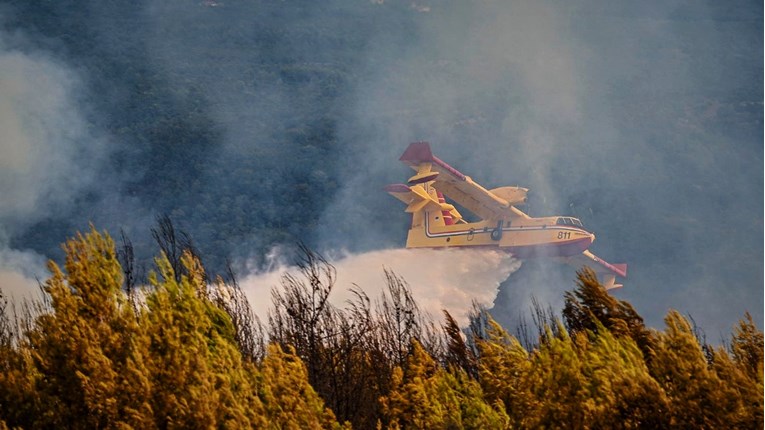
(48, 149)
(644, 120)
(611, 113)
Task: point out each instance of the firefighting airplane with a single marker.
(437, 224)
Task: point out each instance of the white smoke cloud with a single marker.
(439, 279)
(45, 139)
(19, 274)
(48, 151)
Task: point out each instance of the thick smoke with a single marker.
(48, 151)
(46, 141)
(20, 273)
(495, 88)
(439, 279)
(268, 122)
(601, 111)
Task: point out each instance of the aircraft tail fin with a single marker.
(416, 153)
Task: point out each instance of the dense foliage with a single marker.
(186, 352)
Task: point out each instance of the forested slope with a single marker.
(186, 352)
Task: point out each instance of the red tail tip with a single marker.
(417, 152)
(622, 268)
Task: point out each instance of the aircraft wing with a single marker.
(606, 271)
(458, 186)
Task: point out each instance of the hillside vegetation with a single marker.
(186, 351)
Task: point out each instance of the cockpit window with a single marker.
(569, 221)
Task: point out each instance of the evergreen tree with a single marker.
(94, 361)
(503, 367)
(739, 394)
(427, 396)
(19, 400)
(227, 295)
(458, 355)
(694, 390)
(558, 386)
(747, 348)
(590, 307)
(194, 363)
(289, 400)
(88, 360)
(621, 392)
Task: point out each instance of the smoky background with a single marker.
(256, 124)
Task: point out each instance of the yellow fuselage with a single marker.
(523, 236)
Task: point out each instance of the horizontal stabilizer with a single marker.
(421, 178)
(609, 282)
(417, 199)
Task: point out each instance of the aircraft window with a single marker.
(569, 221)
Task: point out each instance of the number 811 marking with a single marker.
(564, 235)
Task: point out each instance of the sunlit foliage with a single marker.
(94, 361)
(186, 352)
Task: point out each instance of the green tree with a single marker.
(747, 348)
(742, 396)
(194, 364)
(590, 307)
(289, 400)
(621, 394)
(427, 396)
(694, 390)
(502, 371)
(93, 360)
(458, 355)
(558, 385)
(19, 400)
(88, 361)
